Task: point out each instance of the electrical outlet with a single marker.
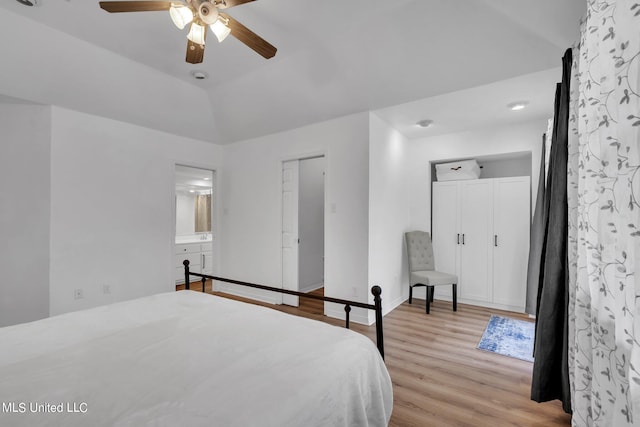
(78, 294)
(106, 289)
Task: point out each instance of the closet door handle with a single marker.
(495, 240)
(463, 238)
(458, 242)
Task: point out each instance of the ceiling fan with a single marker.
(200, 14)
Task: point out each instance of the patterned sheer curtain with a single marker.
(604, 218)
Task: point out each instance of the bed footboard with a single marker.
(375, 290)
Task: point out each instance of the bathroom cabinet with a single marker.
(200, 256)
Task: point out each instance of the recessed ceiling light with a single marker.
(519, 105)
(424, 123)
(199, 75)
(192, 191)
(206, 178)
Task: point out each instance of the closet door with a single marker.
(512, 216)
(444, 230)
(476, 224)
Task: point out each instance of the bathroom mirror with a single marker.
(193, 200)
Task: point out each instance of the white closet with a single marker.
(480, 231)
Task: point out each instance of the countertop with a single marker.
(189, 239)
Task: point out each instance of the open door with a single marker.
(290, 230)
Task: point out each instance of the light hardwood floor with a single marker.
(439, 376)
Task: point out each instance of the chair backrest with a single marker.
(419, 251)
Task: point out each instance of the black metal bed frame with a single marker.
(375, 290)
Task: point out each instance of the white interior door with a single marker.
(444, 231)
(290, 230)
(476, 225)
(511, 225)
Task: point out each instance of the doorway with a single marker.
(303, 209)
(195, 221)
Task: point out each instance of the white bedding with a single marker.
(189, 359)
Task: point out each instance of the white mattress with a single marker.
(189, 359)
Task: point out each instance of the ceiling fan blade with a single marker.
(226, 4)
(134, 6)
(251, 39)
(195, 52)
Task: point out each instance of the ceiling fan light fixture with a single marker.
(197, 33)
(180, 15)
(220, 30)
(207, 12)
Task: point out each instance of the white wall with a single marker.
(112, 200)
(111, 203)
(24, 212)
(251, 203)
(51, 67)
(311, 224)
(388, 212)
(514, 138)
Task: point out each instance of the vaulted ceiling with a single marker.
(334, 58)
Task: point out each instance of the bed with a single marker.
(190, 359)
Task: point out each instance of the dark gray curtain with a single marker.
(550, 378)
(537, 239)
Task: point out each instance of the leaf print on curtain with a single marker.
(604, 218)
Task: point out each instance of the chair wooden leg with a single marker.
(455, 297)
(429, 298)
(410, 294)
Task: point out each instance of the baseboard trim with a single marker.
(512, 308)
(357, 315)
(388, 308)
(312, 288)
(243, 292)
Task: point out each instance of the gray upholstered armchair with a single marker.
(422, 268)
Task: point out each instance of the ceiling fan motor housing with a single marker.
(208, 12)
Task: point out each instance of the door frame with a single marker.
(302, 156)
(215, 211)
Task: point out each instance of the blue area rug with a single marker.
(509, 337)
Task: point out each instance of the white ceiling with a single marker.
(10, 100)
(477, 107)
(334, 58)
